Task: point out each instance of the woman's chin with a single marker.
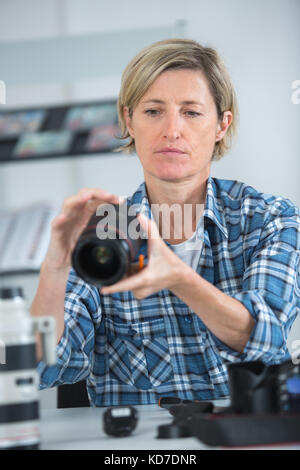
(170, 172)
(171, 175)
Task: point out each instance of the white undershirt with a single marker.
(189, 251)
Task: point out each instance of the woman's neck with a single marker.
(176, 206)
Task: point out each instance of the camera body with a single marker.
(259, 388)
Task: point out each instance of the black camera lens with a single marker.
(103, 255)
(105, 249)
(98, 260)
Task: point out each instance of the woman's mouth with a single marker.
(172, 151)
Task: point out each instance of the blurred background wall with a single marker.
(259, 41)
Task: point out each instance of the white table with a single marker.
(81, 429)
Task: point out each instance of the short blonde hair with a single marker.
(169, 54)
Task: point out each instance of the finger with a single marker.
(101, 195)
(58, 222)
(94, 192)
(149, 227)
(89, 200)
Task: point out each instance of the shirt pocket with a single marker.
(138, 353)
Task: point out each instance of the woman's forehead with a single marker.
(183, 86)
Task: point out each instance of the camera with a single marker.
(264, 408)
(257, 388)
(108, 245)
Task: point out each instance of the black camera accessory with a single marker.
(167, 402)
(120, 421)
(108, 245)
(250, 389)
(173, 431)
(259, 388)
(264, 407)
(183, 413)
(245, 430)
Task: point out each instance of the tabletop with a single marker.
(82, 428)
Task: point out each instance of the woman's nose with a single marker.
(172, 128)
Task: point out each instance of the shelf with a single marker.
(71, 130)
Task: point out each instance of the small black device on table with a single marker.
(120, 421)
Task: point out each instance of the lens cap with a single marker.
(120, 421)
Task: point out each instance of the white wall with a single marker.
(259, 41)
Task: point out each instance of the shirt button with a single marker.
(132, 332)
(188, 318)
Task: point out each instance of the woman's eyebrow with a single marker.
(186, 102)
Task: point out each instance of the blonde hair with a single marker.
(151, 61)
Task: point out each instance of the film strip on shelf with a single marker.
(59, 131)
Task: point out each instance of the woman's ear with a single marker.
(128, 120)
(223, 125)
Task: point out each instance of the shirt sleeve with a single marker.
(271, 290)
(82, 312)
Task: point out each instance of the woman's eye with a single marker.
(156, 112)
(192, 113)
(152, 112)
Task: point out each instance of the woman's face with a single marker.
(175, 126)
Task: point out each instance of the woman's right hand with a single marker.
(67, 227)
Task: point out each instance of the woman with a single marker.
(226, 289)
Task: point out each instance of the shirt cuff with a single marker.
(267, 341)
(51, 376)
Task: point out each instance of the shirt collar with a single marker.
(213, 204)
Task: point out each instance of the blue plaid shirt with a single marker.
(134, 351)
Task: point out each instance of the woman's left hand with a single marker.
(162, 271)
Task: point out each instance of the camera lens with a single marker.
(99, 260)
(105, 249)
(102, 254)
